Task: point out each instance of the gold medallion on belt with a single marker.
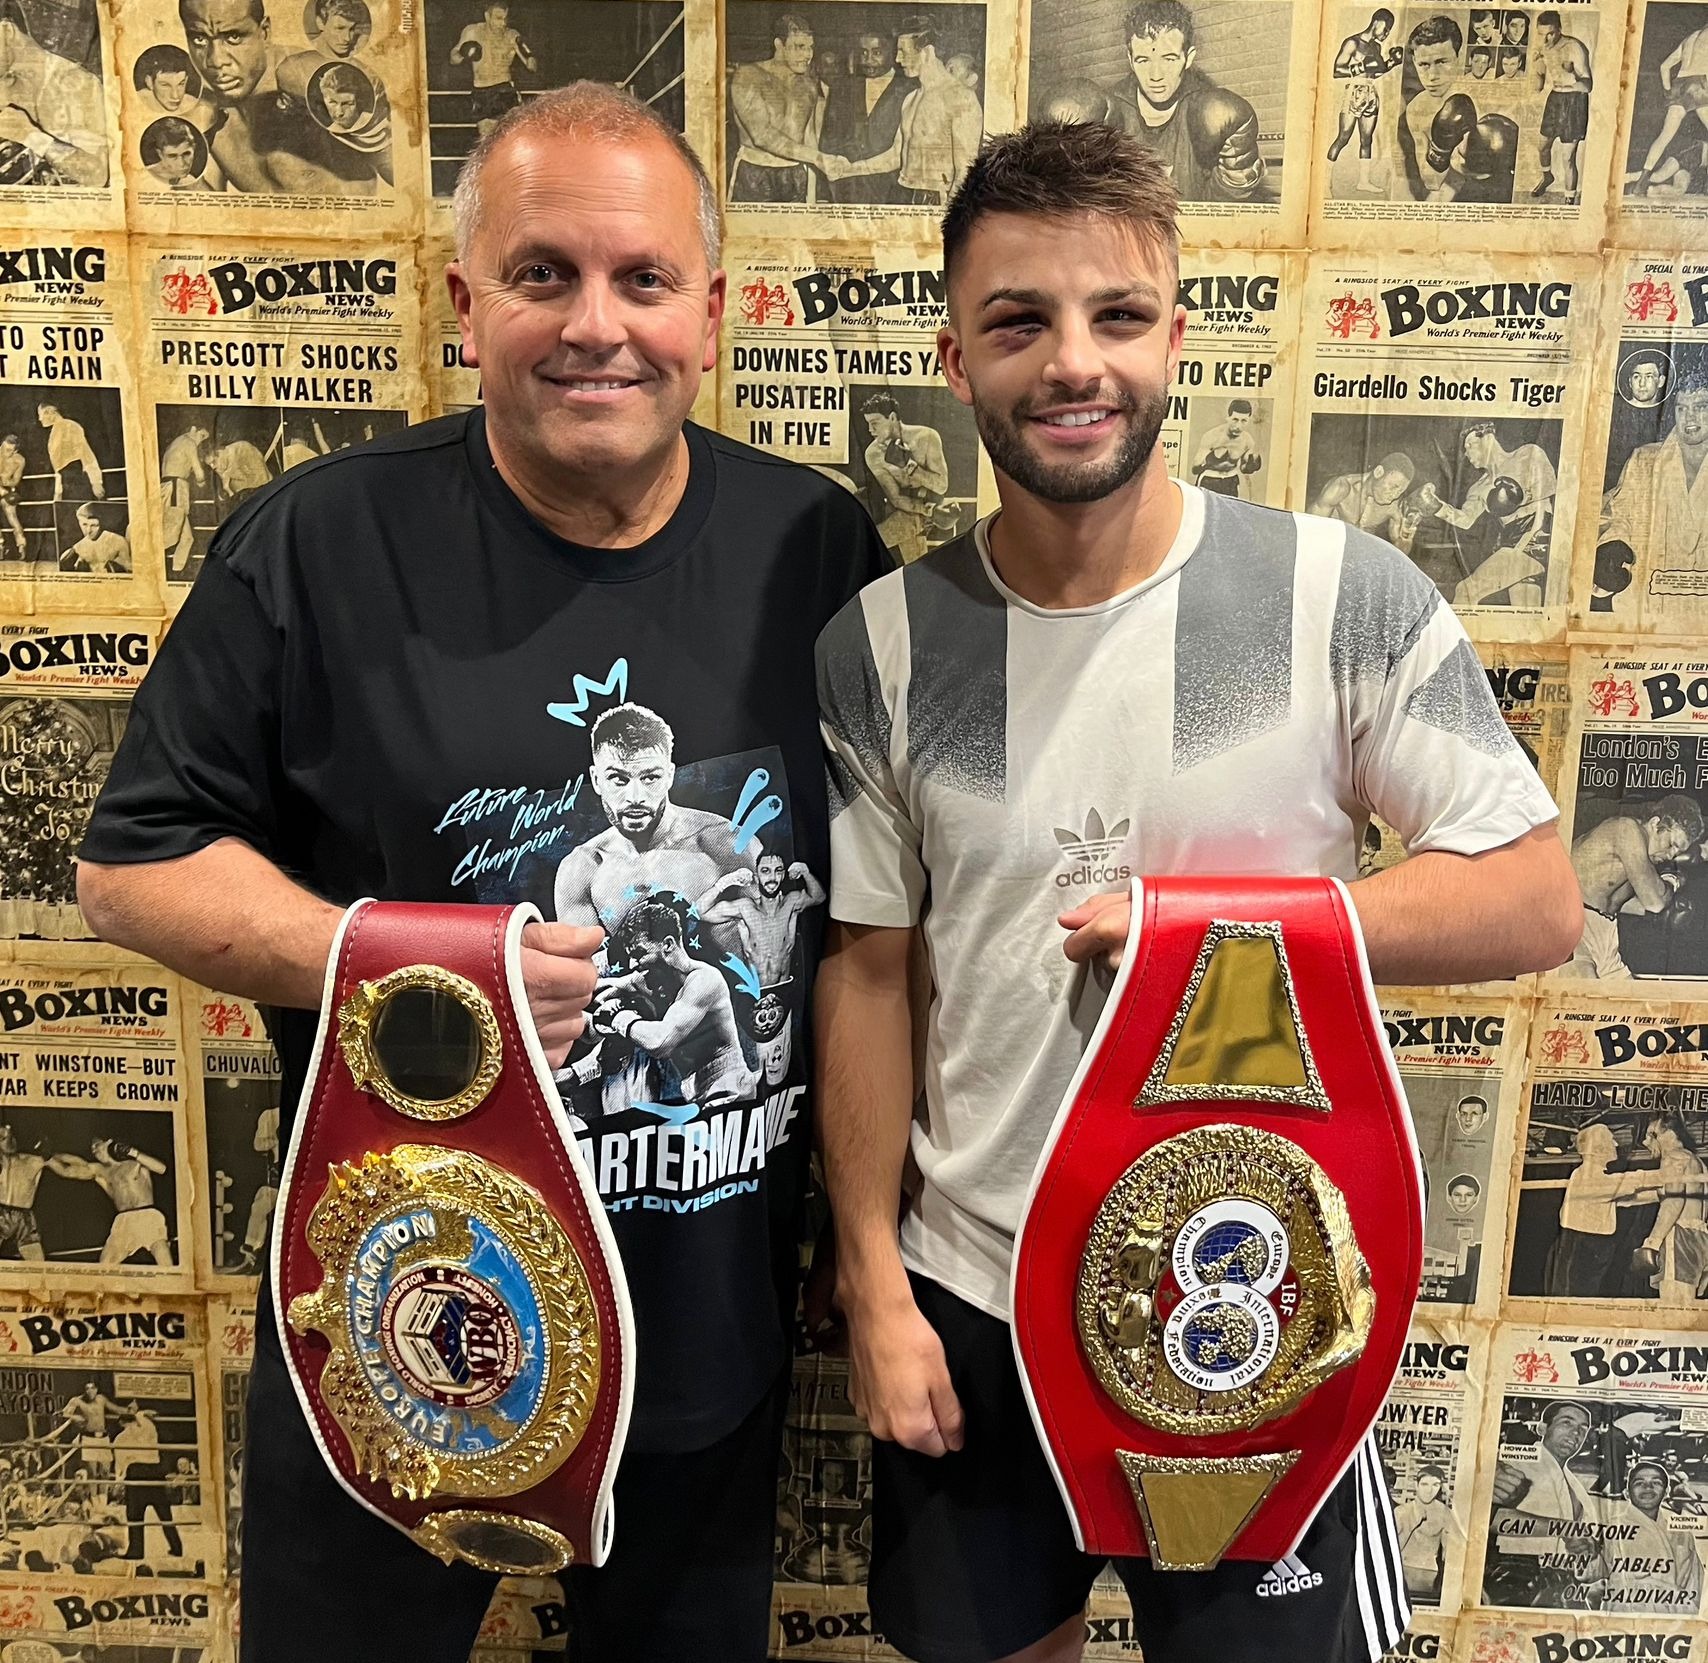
(1221, 1282)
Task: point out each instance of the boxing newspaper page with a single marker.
(270, 117)
(1228, 424)
(70, 431)
(65, 689)
(261, 357)
(858, 113)
(1430, 1638)
(104, 1453)
(59, 119)
(1612, 1203)
(526, 1620)
(829, 357)
(231, 1351)
(1632, 798)
(60, 1620)
(1220, 89)
(1642, 561)
(1461, 1062)
(1660, 171)
(1472, 127)
(1576, 1637)
(1441, 407)
(1426, 1439)
(1531, 684)
(1593, 1479)
(234, 1136)
(479, 60)
(824, 1521)
(94, 1145)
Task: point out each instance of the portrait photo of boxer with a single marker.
(286, 104)
(1158, 69)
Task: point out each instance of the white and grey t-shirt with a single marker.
(993, 763)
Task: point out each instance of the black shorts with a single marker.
(18, 1228)
(1566, 117)
(689, 1577)
(752, 183)
(489, 103)
(973, 1556)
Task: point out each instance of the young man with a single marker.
(1363, 59)
(435, 668)
(1561, 67)
(1240, 688)
(492, 49)
(98, 549)
(777, 105)
(1205, 133)
(1228, 453)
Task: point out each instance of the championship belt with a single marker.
(1224, 1239)
(451, 1303)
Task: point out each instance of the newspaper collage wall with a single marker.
(1446, 276)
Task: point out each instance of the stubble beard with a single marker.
(1003, 433)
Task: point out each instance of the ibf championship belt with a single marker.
(451, 1303)
(1224, 1239)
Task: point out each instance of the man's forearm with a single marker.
(1441, 918)
(865, 1102)
(226, 917)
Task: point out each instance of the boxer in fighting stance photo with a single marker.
(1006, 684)
(1228, 454)
(1450, 154)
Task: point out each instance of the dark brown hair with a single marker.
(1057, 169)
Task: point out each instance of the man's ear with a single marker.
(949, 355)
(462, 304)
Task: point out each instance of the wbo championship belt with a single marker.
(1224, 1239)
(450, 1300)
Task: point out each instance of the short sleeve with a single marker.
(876, 874)
(1432, 755)
(200, 756)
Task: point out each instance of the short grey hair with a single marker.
(589, 108)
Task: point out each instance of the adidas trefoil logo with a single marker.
(1288, 1576)
(1089, 851)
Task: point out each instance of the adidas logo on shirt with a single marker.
(1288, 1576)
(1089, 851)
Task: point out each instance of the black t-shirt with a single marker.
(389, 678)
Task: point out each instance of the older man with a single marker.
(387, 681)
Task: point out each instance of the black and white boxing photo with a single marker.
(1201, 82)
(914, 453)
(1470, 499)
(861, 102)
(214, 456)
(100, 1474)
(88, 1187)
(484, 59)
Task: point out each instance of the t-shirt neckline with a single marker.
(1185, 544)
(599, 565)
